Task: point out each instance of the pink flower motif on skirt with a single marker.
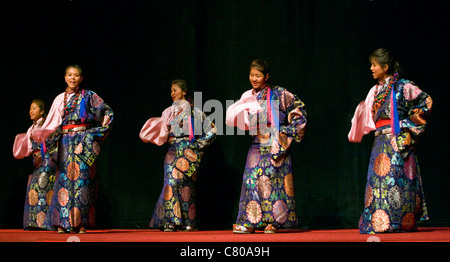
(63, 196)
(380, 221)
(394, 143)
(79, 149)
(253, 158)
(409, 222)
(96, 148)
(382, 164)
(40, 218)
(264, 186)
(410, 167)
(254, 212)
(186, 193)
(280, 211)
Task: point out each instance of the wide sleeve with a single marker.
(99, 130)
(208, 128)
(237, 114)
(104, 116)
(52, 122)
(418, 105)
(293, 127)
(155, 129)
(362, 121)
(295, 109)
(22, 145)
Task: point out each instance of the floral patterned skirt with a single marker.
(39, 194)
(176, 203)
(73, 204)
(394, 198)
(267, 194)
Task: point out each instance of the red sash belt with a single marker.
(383, 122)
(36, 153)
(74, 126)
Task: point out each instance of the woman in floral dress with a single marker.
(397, 110)
(40, 182)
(85, 121)
(274, 117)
(180, 126)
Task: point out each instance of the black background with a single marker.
(131, 50)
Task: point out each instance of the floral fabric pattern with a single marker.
(75, 190)
(394, 198)
(176, 204)
(267, 194)
(40, 183)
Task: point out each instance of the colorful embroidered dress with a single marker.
(86, 121)
(394, 198)
(274, 117)
(182, 129)
(40, 182)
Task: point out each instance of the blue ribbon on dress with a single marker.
(83, 113)
(43, 149)
(191, 129)
(274, 114)
(395, 125)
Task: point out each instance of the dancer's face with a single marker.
(257, 79)
(176, 93)
(35, 112)
(73, 78)
(378, 71)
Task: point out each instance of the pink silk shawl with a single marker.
(237, 113)
(362, 121)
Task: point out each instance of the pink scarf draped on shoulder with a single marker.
(237, 113)
(22, 144)
(362, 121)
(155, 129)
(53, 120)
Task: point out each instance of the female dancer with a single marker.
(40, 182)
(397, 109)
(85, 120)
(275, 117)
(176, 208)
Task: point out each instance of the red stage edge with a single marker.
(425, 234)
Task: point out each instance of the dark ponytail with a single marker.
(385, 57)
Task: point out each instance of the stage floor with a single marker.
(425, 234)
